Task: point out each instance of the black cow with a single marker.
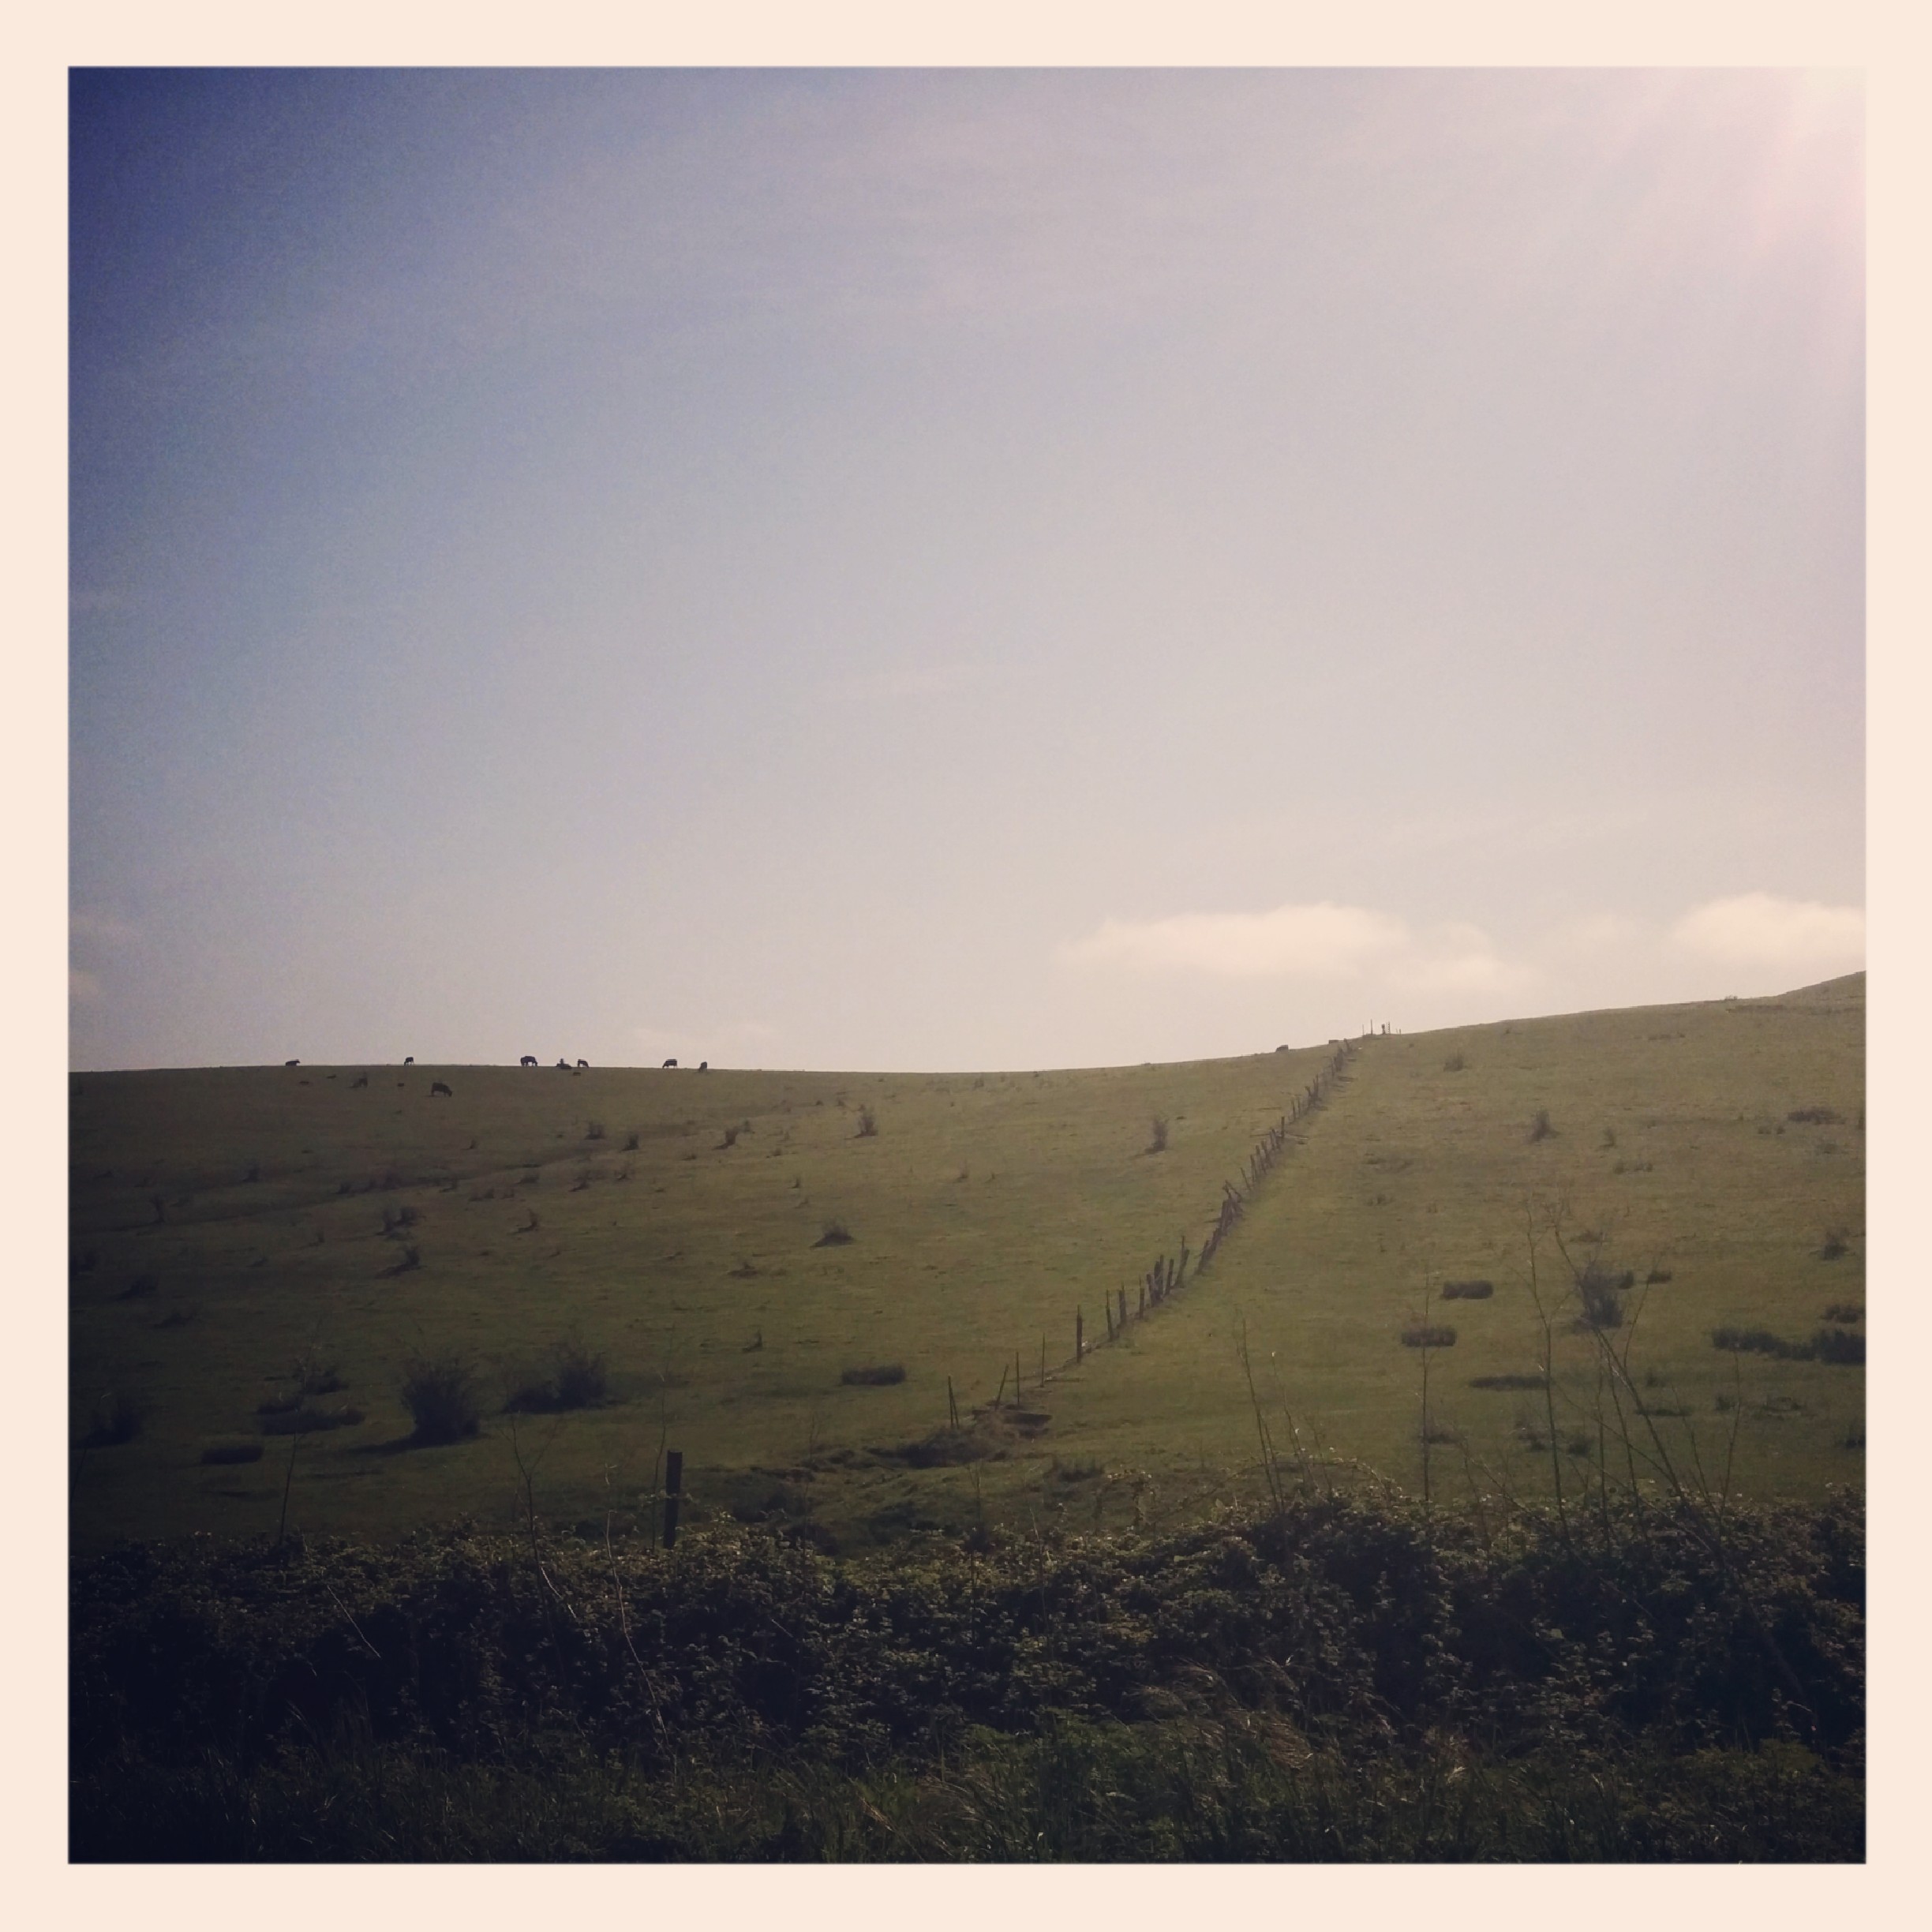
(670, 1063)
(291, 1063)
(409, 1059)
(528, 1060)
(704, 1066)
(584, 1065)
(436, 1087)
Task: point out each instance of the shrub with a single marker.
(440, 1392)
(1598, 1289)
(1158, 1144)
(1540, 1127)
(1834, 1244)
(868, 1124)
(1455, 1064)
(730, 1138)
(1839, 1345)
(630, 1141)
(1816, 1116)
(579, 1378)
(1426, 1335)
(232, 1452)
(880, 1376)
(1656, 1276)
(1509, 1382)
(1467, 1290)
(1845, 1311)
(836, 1235)
(593, 1130)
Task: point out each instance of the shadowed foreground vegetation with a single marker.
(1329, 1680)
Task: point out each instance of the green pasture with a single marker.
(227, 1222)
(1670, 1140)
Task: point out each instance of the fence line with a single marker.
(1169, 1275)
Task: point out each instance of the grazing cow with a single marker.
(670, 1063)
(409, 1059)
(704, 1066)
(436, 1087)
(291, 1063)
(528, 1060)
(583, 1066)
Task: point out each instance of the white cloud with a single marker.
(1320, 941)
(1761, 929)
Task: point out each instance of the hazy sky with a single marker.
(955, 569)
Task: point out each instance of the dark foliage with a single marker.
(1427, 1335)
(574, 1377)
(1467, 1290)
(1838, 1345)
(1332, 1681)
(880, 1374)
(440, 1392)
(1600, 1290)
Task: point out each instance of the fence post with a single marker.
(674, 1487)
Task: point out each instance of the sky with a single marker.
(955, 569)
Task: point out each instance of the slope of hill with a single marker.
(230, 1224)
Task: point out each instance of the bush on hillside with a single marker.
(440, 1392)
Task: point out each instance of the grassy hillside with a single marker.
(1671, 1137)
(228, 1223)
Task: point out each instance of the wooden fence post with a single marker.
(674, 1488)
